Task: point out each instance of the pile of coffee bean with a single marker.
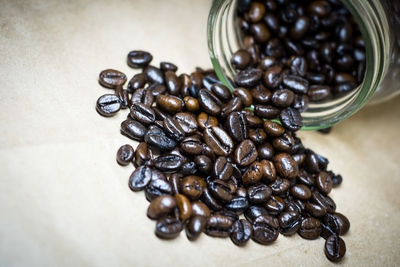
(207, 163)
(314, 46)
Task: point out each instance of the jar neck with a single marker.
(223, 41)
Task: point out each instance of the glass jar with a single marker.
(379, 23)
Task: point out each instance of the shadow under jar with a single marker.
(378, 22)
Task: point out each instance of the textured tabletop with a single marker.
(64, 201)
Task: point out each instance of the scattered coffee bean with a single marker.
(125, 155)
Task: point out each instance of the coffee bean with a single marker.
(238, 204)
(253, 121)
(323, 182)
(300, 191)
(142, 113)
(172, 82)
(200, 209)
(234, 105)
(266, 111)
(337, 222)
(143, 155)
(169, 103)
(296, 83)
(242, 231)
(144, 96)
(237, 126)
(275, 205)
(157, 89)
(221, 190)
(203, 163)
(108, 105)
(268, 170)
(209, 102)
(223, 169)
(265, 151)
(261, 94)
(133, 129)
(195, 227)
(210, 201)
(186, 121)
(253, 212)
(286, 166)
(310, 228)
(112, 78)
(253, 174)
(335, 248)
(324, 201)
(245, 153)
(138, 81)
(191, 104)
(258, 136)
(192, 187)
(139, 59)
(283, 98)
(289, 222)
(168, 228)
(300, 27)
(291, 119)
(168, 163)
(265, 230)
(319, 92)
(315, 210)
(156, 137)
(248, 78)
(273, 77)
(221, 91)
(244, 95)
(284, 143)
(273, 128)
(241, 59)
(259, 193)
(157, 187)
(125, 155)
(175, 183)
(154, 75)
(280, 186)
(173, 129)
(140, 178)
(185, 209)
(219, 226)
(161, 206)
(218, 140)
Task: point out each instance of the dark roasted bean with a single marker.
(221, 91)
(156, 137)
(138, 81)
(268, 170)
(265, 151)
(223, 169)
(245, 153)
(253, 174)
(289, 222)
(310, 228)
(258, 136)
(296, 83)
(195, 227)
(261, 94)
(266, 111)
(237, 204)
(258, 194)
(209, 102)
(173, 129)
(143, 154)
(324, 201)
(298, 66)
(300, 191)
(241, 59)
(323, 183)
(237, 126)
(273, 128)
(203, 163)
(154, 75)
(337, 222)
(248, 78)
(275, 205)
(282, 98)
(161, 206)
(283, 143)
(191, 104)
(172, 82)
(168, 66)
(286, 166)
(144, 96)
(192, 186)
(108, 105)
(280, 186)
(218, 140)
(140, 178)
(168, 228)
(219, 226)
(112, 78)
(242, 231)
(221, 190)
(125, 155)
(235, 104)
(291, 119)
(175, 183)
(184, 206)
(142, 113)
(168, 163)
(133, 129)
(335, 248)
(273, 77)
(253, 212)
(156, 188)
(200, 209)
(315, 210)
(139, 59)
(265, 230)
(300, 27)
(210, 201)
(157, 89)
(319, 92)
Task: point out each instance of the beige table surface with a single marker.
(65, 202)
